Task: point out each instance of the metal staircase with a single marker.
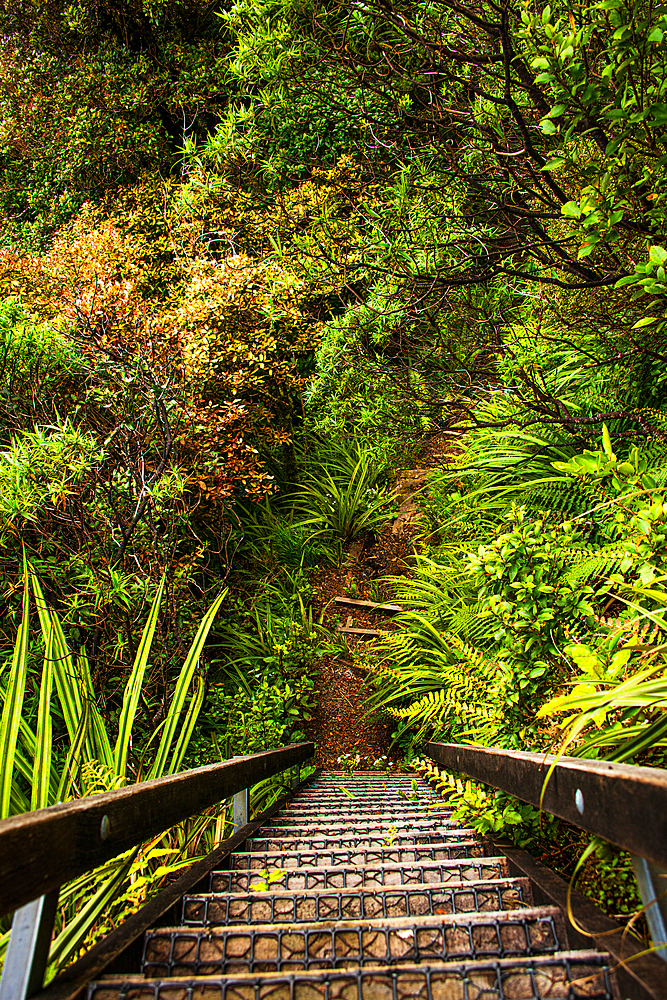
(362, 888)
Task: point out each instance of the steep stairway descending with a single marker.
(362, 888)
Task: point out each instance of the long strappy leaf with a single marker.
(134, 685)
(182, 688)
(41, 776)
(13, 706)
(70, 768)
(101, 747)
(65, 674)
(188, 725)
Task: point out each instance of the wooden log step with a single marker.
(388, 609)
(360, 631)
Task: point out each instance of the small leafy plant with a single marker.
(268, 877)
(391, 835)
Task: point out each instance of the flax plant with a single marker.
(92, 763)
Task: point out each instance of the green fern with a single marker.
(439, 673)
(436, 706)
(655, 453)
(567, 497)
(470, 655)
(597, 565)
(441, 676)
(473, 623)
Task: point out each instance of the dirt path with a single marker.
(341, 725)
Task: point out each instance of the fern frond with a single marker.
(474, 657)
(599, 563)
(441, 703)
(473, 623)
(567, 497)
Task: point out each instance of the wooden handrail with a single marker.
(70, 983)
(41, 850)
(622, 803)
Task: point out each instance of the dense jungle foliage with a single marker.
(252, 258)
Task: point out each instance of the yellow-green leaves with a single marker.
(41, 782)
(268, 877)
(134, 685)
(13, 706)
(69, 693)
(180, 694)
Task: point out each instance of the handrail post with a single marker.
(652, 882)
(241, 810)
(241, 807)
(295, 775)
(28, 948)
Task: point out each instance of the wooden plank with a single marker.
(73, 980)
(41, 850)
(360, 631)
(388, 609)
(623, 803)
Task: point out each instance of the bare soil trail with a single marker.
(341, 725)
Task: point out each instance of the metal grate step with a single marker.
(365, 828)
(341, 944)
(385, 803)
(360, 813)
(346, 795)
(361, 876)
(343, 785)
(566, 975)
(348, 789)
(351, 840)
(342, 792)
(372, 776)
(354, 904)
(326, 857)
